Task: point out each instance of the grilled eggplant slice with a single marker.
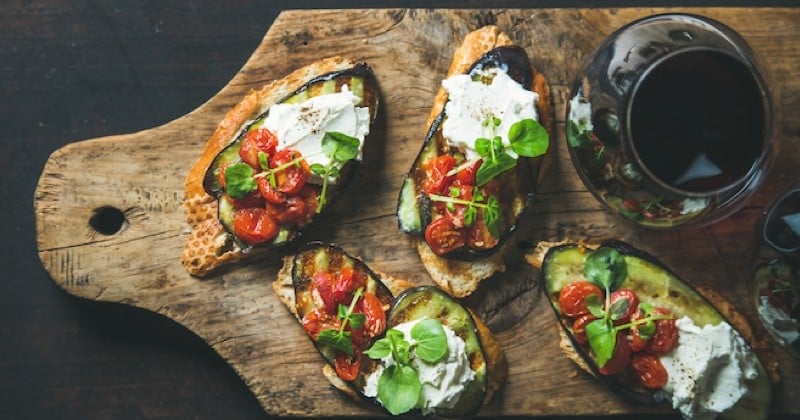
(415, 211)
(359, 80)
(319, 274)
(656, 284)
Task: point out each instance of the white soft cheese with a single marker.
(783, 327)
(442, 382)
(708, 370)
(580, 114)
(303, 125)
(471, 102)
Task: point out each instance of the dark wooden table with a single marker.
(76, 70)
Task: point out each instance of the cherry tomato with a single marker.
(254, 226)
(619, 359)
(298, 209)
(292, 178)
(347, 283)
(372, 308)
(221, 174)
(436, 178)
(317, 320)
(347, 366)
(322, 283)
(572, 297)
(478, 235)
(649, 371)
(635, 340)
(466, 176)
(633, 303)
(269, 192)
(443, 236)
(666, 336)
(253, 199)
(257, 141)
(579, 328)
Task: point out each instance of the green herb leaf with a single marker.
(528, 138)
(602, 340)
(431, 341)
(595, 305)
(483, 146)
(355, 320)
(340, 146)
(262, 160)
(490, 169)
(317, 169)
(399, 388)
(338, 340)
(491, 216)
(239, 180)
(379, 349)
(619, 308)
(401, 349)
(606, 268)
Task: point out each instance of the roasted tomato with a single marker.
(436, 170)
(257, 141)
(269, 192)
(293, 177)
(443, 236)
(665, 338)
(649, 371)
(632, 305)
(254, 226)
(347, 366)
(572, 297)
(466, 176)
(579, 328)
(619, 359)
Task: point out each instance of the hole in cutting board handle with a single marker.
(107, 220)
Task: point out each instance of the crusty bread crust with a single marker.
(209, 245)
(496, 364)
(461, 278)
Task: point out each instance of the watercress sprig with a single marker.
(340, 339)
(399, 386)
(340, 148)
(525, 137)
(491, 208)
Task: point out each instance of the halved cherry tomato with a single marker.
(255, 142)
(253, 199)
(619, 359)
(347, 366)
(478, 235)
(466, 176)
(572, 297)
(322, 283)
(372, 308)
(632, 305)
(221, 174)
(436, 178)
(443, 236)
(665, 339)
(649, 371)
(579, 328)
(317, 320)
(347, 283)
(253, 225)
(269, 192)
(298, 208)
(292, 178)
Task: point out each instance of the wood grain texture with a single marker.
(236, 311)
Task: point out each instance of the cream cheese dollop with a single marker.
(303, 125)
(709, 369)
(442, 382)
(470, 103)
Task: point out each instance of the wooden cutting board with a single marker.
(110, 221)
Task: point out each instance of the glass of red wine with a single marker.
(776, 276)
(670, 122)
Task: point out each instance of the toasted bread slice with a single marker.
(461, 278)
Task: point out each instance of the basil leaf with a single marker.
(602, 340)
(606, 268)
(595, 305)
(490, 169)
(431, 341)
(239, 180)
(619, 308)
(340, 146)
(337, 340)
(399, 388)
(379, 349)
(528, 138)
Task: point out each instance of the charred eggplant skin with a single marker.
(360, 80)
(413, 207)
(649, 278)
(318, 257)
(431, 302)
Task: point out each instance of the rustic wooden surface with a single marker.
(237, 313)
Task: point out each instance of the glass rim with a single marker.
(772, 214)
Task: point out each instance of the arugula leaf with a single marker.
(399, 388)
(602, 339)
(528, 138)
(239, 180)
(431, 341)
(339, 340)
(606, 267)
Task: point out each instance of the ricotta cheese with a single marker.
(442, 382)
(303, 125)
(708, 370)
(784, 328)
(471, 103)
(580, 114)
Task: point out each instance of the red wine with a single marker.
(697, 120)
